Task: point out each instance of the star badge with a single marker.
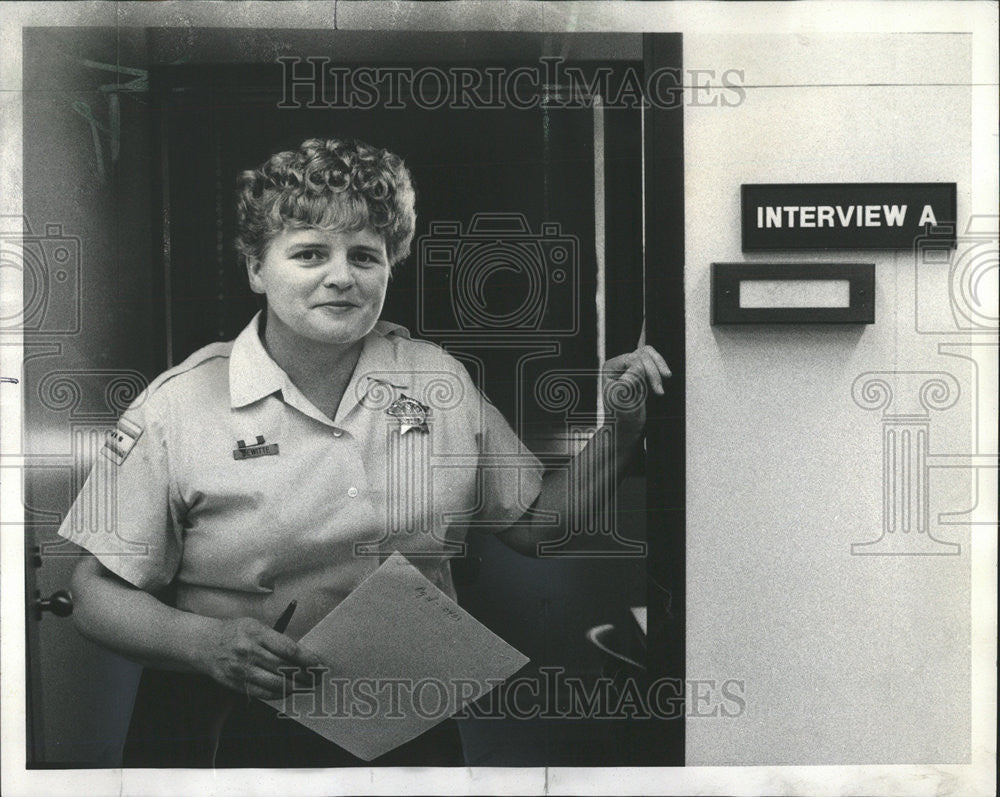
(410, 413)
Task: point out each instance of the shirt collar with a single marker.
(254, 375)
(252, 372)
(376, 357)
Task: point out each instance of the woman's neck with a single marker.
(320, 370)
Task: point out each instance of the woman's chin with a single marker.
(340, 334)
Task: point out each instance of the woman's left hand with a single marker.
(626, 381)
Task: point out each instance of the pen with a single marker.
(286, 617)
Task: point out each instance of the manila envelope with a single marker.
(399, 657)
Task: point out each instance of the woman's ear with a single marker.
(253, 265)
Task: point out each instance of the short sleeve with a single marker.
(510, 474)
(124, 514)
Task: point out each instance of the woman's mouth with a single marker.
(338, 305)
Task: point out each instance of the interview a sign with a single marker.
(798, 216)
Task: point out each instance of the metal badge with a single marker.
(410, 413)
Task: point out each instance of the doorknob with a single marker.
(60, 604)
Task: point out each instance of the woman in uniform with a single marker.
(286, 464)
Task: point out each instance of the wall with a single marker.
(846, 658)
(65, 375)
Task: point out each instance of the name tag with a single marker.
(258, 449)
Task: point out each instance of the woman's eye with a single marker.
(307, 256)
(364, 258)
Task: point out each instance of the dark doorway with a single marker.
(539, 177)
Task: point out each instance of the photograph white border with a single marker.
(979, 19)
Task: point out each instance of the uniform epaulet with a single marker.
(388, 329)
(212, 351)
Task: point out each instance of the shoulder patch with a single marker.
(121, 440)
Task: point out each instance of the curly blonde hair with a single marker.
(330, 184)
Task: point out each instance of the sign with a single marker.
(846, 215)
(793, 293)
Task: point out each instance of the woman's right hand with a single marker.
(248, 657)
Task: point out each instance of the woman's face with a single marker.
(324, 286)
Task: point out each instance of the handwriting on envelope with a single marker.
(399, 657)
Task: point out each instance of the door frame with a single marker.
(666, 448)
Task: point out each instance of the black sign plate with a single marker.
(796, 216)
(728, 280)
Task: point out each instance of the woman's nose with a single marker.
(338, 272)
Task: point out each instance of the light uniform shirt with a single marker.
(224, 481)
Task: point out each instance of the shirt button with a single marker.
(338, 432)
(353, 492)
